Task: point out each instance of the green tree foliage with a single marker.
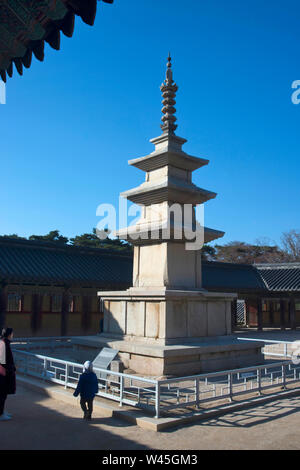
(92, 240)
(89, 240)
(208, 253)
(233, 252)
(13, 235)
(52, 236)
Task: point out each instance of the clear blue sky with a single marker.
(71, 123)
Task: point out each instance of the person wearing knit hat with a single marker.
(87, 388)
(88, 365)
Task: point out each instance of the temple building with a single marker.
(36, 276)
(51, 290)
(271, 292)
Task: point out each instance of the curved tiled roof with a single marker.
(229, 276)
(49, 263)
(280, 277)
(245, 278)
(39, 262)
(25, 25)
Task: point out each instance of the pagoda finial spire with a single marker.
(169, 89)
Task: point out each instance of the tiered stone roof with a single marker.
(168, 172)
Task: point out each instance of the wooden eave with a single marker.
(26, 26)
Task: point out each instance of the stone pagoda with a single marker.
(166, 323)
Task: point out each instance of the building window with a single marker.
(56, 303)
(14, 303)
(297, 306)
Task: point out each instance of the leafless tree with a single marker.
(240, 252)
(291, 244)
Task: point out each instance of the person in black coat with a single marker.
(8, 375)
(87, 388)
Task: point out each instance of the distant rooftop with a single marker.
(42, 262)
(54, 263)
(280, 277)
(277, 277)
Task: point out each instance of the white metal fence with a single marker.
(226, 385)
(164, 396)
(275, 348)
(124, 388)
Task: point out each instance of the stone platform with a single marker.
(163, 332)
(205, 355)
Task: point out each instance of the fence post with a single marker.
(66, 376)
(139, 395)
(45, 369)
(157, 400)
(230, 380)
(259, 381)
(121, 390)
(197, 392)
(283, 376)
(285, 349)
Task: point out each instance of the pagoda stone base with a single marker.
(173, 332)
(208, 355)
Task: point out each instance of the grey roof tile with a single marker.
(30, 261)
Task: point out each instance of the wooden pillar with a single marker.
(247, 305)
(233, 315)
(271, 312)
(101, 311)
(33, 318)
(86, 308)
(3, 307)
(292, 312)
(36, 312)
(259, 314)
(65, 312)
(282, 314)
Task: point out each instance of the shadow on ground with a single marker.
(42, 423)
(249, 418)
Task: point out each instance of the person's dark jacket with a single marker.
(87, 386)
(8, 383)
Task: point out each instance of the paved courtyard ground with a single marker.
(44, 423)
(274, 334)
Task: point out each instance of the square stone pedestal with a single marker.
(171, 332)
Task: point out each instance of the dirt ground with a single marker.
(43, 423)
